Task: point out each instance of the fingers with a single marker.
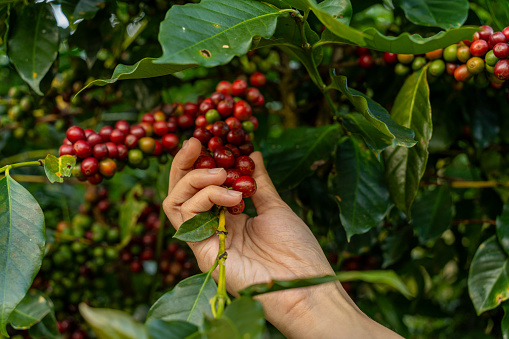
(194, 181)
(184, 161)
(208, 197)
(266, 195)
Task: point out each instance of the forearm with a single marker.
(323, 311)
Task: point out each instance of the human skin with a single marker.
(276, 244)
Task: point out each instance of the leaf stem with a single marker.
(207, 277)
(6, 168)
(221, 298)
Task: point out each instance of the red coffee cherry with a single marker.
(94, 139)
(253, 94)
(220, 129)
(131, 141)
(158, 148)
(246, 185)
(190, 108)
(231, 175)
(147, 117)
(260, 102)
(123, 126)
(246, 148)
(242, 110)
(139, 131)
(204, 161)
(214, 143)
(159, 116)
(235, 136)
(107, 168)
(160, 128)
(100, 151)
(82, 149)
(89, 166)
(390, 58)
(147, 254)
(501, 71)
(105, 133)
(66, 142)
(170, 141)
(237, 209)
(239, 88)
(245, 165)
(112, 150)
(462, 74)
(479, 48)
(224, 157)
(185, 121)
(172, 124)
(366, 61)
(497, 37)
(136, 266)
(66, 150)
(485, 32)
(201, 121)
(75, 133)
(233, 123)
(202, 134)
(359, 50)
(88, 131)
(206, 105)
(224, 87)
(505, 31)
(254, 120)
(450, 67)
(122, 152)
(235, 150)
(117, 136)
(257, 79)
(501, 50)
(216, 97)
(225, 108)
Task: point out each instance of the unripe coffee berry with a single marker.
(463, 53)
(475, 65)
(212, 116)
(147, 145)
(107, 168)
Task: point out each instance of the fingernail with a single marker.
(215, 170)
(184, 144)
(234, 193)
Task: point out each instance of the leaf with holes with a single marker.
(404, 167)
(443, 14)
(198, 228)
(359, 187)
(22, 243)
(488, 277)
(373, 112)
(33, 43)
(58, 168)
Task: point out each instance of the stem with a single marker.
(6, 168)
(221, 298)
(207, 277)
(28, 155)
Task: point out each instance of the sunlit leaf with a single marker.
(443, 14)
(198, 228)
(58, 168)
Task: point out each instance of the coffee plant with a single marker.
(381, 124)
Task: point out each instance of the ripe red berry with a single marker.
(450, 67)
(479, 48)
(246, 185)
(112, 150)
(202, 134)
(253, 94)
(122, 152)
(485, 32)
(231, 175)
(216, 97)
(361, 50)
(233, 123)
(239, 88)
(366, 61)
(136, 266)
(214, 143)
(139, 131)
(89, 166)
(257, 79)
(224, 157)
(147, 254)
(505, 31)
(66, 142)
(147, 117)
(105, 133)
(160, 128)
(169, 141)
(225, 108)
(224, 87)
(82, 149)
(190, 108)
(100, 151)
(235, 136)
(462, 74)
(201, 121)
(260, 102)
(131, 141)
(66, 150)
(501, 50)
(172, 124)
(245, 165)
(497, 37)
(254, 121)
(75, 133)
(235, 150)
(159, 116)
(390, 58)
(501, 70)
(158, 148)
(204, 161)
(185, 121)
(237, 209)
(242, 110)
(107, 168)
(88, 131)
(220, 129)
(123, 126)
(94, 139)
(117, 136)
(206, 105)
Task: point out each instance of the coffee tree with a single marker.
(381, 124)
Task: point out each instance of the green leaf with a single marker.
(198, 228)
(77, 10)
(58, 168)
(220, 328)
(405, 43)
(432, 213)
(404, 167)
(30, 310)
(176, 329)
(339, 9)
(396, 245)
(21, 245)
(130, 211)
(499, 11)
(503, 228)
(189, 299)
(359, 188)
(488, 277)
(374, 113)
(386, 277)
(247, 315)
(112, 324)
(443, 14)
(163, 178)
(280, 285)
(33, 44)
(45, 329)
(298, 152)
(207, 34)
(357, 124)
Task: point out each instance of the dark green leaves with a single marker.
(30, 310)
(356, 123)
(488, 278)
(77, 10)
(374, 113)
(21, 245)
(386, 277)
(298, 152)
(404, 167)
(432, 213)
(358, 187)
(247, 315)
(499, 11)
(503, 228)
(176, 329)
(188, 301)
(130, 211)
(280, 285)
(33, 45)
(58, 168)
(112, 324)
(443, 14)
(198, 228)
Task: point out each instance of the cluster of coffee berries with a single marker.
(225, 130)
(17, 111)
(260, 60)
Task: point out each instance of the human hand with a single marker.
(276, 244)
